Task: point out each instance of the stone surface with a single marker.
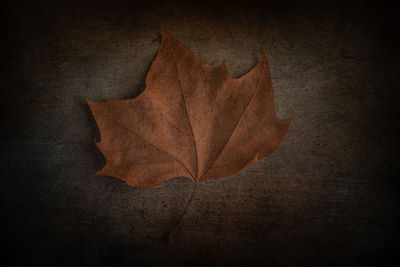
(328, 196)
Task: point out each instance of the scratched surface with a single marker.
(328, 196)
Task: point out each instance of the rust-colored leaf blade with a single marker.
(192, 120)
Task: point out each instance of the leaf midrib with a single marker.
(186, 110)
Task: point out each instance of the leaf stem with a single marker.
(171, 233)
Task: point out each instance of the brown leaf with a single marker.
(192, 120)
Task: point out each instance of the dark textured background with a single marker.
(328, 196)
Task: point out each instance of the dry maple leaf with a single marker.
(192, 120)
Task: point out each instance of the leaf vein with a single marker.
(147, 141)
(240, 120)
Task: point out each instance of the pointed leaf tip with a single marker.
(165, 30)
(223, 66)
